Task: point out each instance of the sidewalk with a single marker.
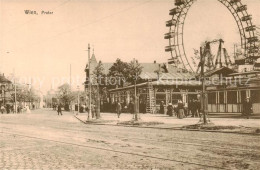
(164, 121)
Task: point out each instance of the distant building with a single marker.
(5, 91)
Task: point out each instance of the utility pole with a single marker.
(70, 76)
(203, 94)
(70, 90)
(15, 105)
(135, 98)
(78, 100)
(89, 82)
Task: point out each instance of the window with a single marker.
(221, 98)
(243, 96)
(160, 97)
(212, 98)
(255, 96)
(175, 98)
(232, 97)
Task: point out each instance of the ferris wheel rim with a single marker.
(178, 52)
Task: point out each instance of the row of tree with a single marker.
(126, 73)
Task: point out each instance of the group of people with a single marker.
(131, 108)
(74, 108)
(194, 107)
(180, 110)
(11, 109)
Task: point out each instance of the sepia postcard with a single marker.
(129, 84)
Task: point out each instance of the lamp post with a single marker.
(15, 98)
(89, 83)
(135, 98)
(135, 108)
(203, 95)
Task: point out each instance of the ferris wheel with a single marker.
(248, 37)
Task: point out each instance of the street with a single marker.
(44, 140)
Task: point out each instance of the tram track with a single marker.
(118, 151)
(206, 143)
(177, 147)
(174, 144)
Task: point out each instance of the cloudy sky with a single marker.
(42, 47)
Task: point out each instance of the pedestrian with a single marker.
(247, 107)
(198, 108)
(18, 109)
(161, 108)
(59, 110)
(2, 109)
(93, 110)
(131, 108)
(189, 107)
(118, 109)
(84, 108)
(180, 109)
(192, 107)
(142, 107)
(7, 108)
(170, 110)
(27, 109)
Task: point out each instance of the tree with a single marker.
(99, 77)
(118, 71)
(65, 96)
(134, 70)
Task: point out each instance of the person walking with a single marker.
(170, 110)
(193, 107)
(131, 108)
(2, 109)
(93, 110)
(27, 109)
(247, 107)
(161, 107)
(119, 109)
(59, 110)
(180, 109)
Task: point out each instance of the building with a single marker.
(5, 91)
(228, 89)
(158, 82)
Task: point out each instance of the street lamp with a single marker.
(135, 98)
(203, 93)
(89, 82)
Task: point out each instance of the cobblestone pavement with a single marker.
(44, 140)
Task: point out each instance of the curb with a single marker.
(170, 128)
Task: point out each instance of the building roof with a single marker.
(245, 73)
(3, 79)
(188, 83)
(167, 76)
(148, 69)
(223, 70)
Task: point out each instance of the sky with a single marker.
(39, 49)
